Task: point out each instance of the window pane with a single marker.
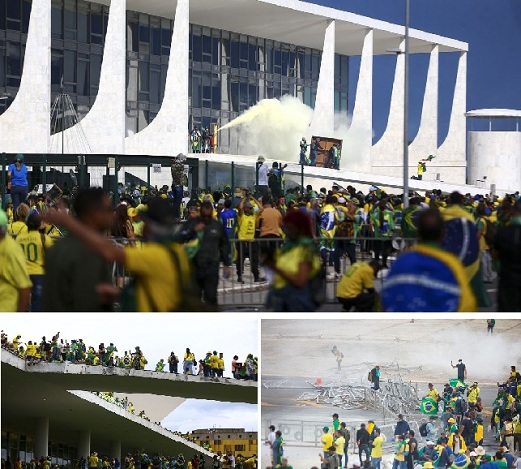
(155, 87)
(83, 78)
(56, 71)
(13, 59)
(143, 76)
(83, 24)
(234, 54)
(14, 10)
(134, 35)
(196, 92)
(155, 33)
(96, 19)
(26, 14)
(2, 67)
(197, 48)
(95, 70)
(70, 66)
(56, 20)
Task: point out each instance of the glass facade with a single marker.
(16, 446)
(228, 72)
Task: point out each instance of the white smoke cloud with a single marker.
(274, 128)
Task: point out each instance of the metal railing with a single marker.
(248, 291)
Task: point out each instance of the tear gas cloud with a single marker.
(422, 343)
(274, 128)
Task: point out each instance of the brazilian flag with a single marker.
(461, 461)
(428, 406)
(456, 383)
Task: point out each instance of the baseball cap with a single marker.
(19, 157)
(473, 453)
(325, 429)
(427, 465)
(3, 218)
(341, 200)
(429, 443)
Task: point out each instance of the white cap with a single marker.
(429, 442)
(341, 200)
(473, 453)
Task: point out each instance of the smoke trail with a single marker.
(273, 128)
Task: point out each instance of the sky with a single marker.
(158, 335)
(492, 28)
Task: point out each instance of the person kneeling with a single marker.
(356, 288)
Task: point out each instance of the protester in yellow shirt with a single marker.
(433, 393)
(15, 284)
(246, 248)
(327, 441)
(376, 452)
(18, 226)
(34, 245)
(356, 287)
(159, 283)
(220, 366)
(30, 353)
(295, 264)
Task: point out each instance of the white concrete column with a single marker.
(24, 126)
(115, 449)
(84, 444)
(389, 149)
(167, 134)
(360, 135)
(323, 122)
(426, 140)
(452, 150)
(104, 125)
(41, 437)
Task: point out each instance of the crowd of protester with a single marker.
(452, 437)
(140, 460)
(459, 243)
(59, 350)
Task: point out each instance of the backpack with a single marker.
(490, 232)
(345, 229)
(423, 429)
(317, 286)
(347, 435)
(370, 377)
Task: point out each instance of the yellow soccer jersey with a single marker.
(246, 224)
(358, 278)
(34, 245)
(214, 362)
(155, 272)
(13, 274)
(16, 228)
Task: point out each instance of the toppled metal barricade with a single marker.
(394, 396)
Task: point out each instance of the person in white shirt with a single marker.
(263, 176)
(270, 440)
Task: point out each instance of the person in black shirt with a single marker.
(362, 440)
(462, 369)
(413, 455)
(214, 248)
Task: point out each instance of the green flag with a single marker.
(456, 383)
(428, 406)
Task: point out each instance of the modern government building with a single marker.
(53, 410)
(141, 74)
